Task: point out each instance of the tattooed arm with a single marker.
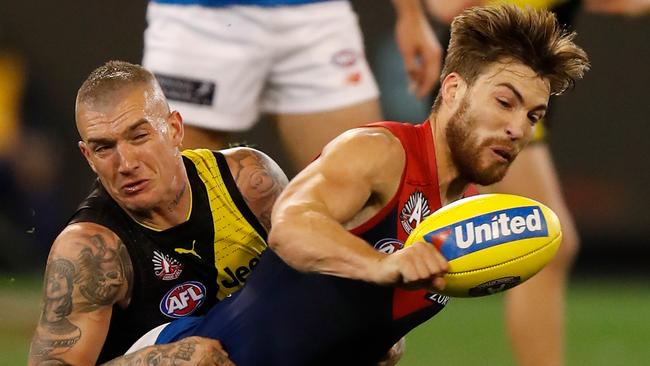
(189, 351)
(88, 271)
(259, 179)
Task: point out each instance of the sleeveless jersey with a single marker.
(284, 317)
(185, 269)
(417, 197)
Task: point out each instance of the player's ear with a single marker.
(177, 131)
(453, 89)
(85, 151)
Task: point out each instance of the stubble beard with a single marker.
(466, 149)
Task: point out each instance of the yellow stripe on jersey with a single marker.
(538, 4)
(236, 243)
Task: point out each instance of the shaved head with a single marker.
(109, 83)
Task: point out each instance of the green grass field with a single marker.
(608, 324)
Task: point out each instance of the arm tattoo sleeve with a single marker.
(178, 353)
(94, 279)
(260, 181)
(55, 333)
(101, 274)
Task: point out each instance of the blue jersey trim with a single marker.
(222, 3)
(177, 329)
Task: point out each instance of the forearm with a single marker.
(189, 351)
(312, 242)
(164, 354)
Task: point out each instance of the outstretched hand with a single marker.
(418, 266)
(421, 52)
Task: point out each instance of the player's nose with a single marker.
(517, 128)
(127, 158)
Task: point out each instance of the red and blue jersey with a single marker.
(417, 197)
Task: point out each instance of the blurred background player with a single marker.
(534, 312)
(28, 189)
(223, 62)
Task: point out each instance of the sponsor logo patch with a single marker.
(353, 78)
(187, 90)
(188, 251)
(236, 277)
(414, 211)
(388, 245)
(345, 58)
(491, 229)
(494, 286)
(165, 267)
(437, 298)
(183, 299)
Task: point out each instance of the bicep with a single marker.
(351, 169)
(85, 275)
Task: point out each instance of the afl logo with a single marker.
(388, 245)
(183, 299)
(414, 211)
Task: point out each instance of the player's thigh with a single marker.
(533, 175)
(205, 138)
(304, 135)
(321, 84)
(212, 63)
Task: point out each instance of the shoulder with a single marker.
(75, 237)
(243, 160)
(366, 140)
(366, 149)
(259, 179)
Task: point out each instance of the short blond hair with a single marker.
(112, 76)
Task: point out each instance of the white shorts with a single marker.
(221, 67)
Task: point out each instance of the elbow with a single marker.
(275, 238)
(279, 240)
(283, 240)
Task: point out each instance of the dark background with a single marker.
(599, 135)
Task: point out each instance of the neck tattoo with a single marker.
(177, 199)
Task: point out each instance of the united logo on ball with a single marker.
(492, 242)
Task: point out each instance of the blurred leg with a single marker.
(196, 137)
(535, 310)
(304, 135)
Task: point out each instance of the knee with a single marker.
(568, 250)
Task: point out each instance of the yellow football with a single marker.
(493, 242)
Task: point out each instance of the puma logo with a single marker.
(188, 251)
